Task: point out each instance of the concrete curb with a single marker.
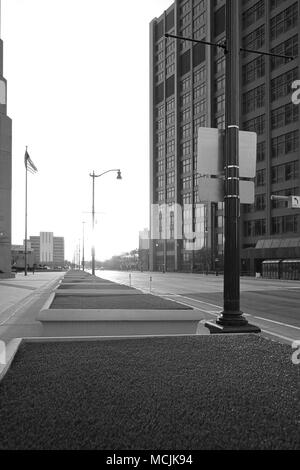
(14, 345)
(11, 350)
(94, 292)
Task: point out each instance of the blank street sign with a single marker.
(210, 151)
(210, 158)
(247, 154)
(246, 192)
(211, 190)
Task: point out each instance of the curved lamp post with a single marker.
(92, 175)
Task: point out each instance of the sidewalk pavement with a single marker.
(17, 292)
(15, 289)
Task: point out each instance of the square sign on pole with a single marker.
(247, 154)
(210, 162)
(210, 158)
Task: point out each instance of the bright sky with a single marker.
(78, 96)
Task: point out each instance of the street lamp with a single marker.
(92, 175)
(83, 261)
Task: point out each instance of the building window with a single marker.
(285, 224)
(286, 172)
(200, 91)
(256, 125)
(254, 40)
(284, 115)
(160, 111)
(220, 84)
(185, 99)
(288, 47)
(186, 114)
(186, 166)
(261, 151)
(220, 122)
(220, 103)
(200, 75)
(160, 196)
(281, 86)
(170, 162)
(170, 105)
(285, 144)
(161, 181)
(187, 182)
(284, 21)
(160, 166)
(253, 70)
(160, 124)
(186, 131)
(261, 177)
(170, 132)
(253, 14)
(220, 65)
(170, 119)
(187, 198)
(171, 146)
(170, 178)
(160, 137)
(199, 122)
(260, 202)
(160, 151)
(185, 149)
(170, 193)
(254, 99)
(200, 107)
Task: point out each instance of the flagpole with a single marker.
(25, 256)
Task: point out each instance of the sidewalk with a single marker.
(18, 288)
(174, 392)
(20, 293)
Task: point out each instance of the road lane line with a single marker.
(287, 325)
(200, 301)
(271, 333)
(277, 322)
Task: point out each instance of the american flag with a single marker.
(29, 165)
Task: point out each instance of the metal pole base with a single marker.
(218, 328)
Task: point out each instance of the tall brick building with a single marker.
(187, 91)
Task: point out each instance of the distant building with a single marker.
(18, 257)
(5, 178)
(48, 250)
(144, 245)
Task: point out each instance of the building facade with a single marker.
(5, 177)
(18, 257)
(187, 91)
(48, 249)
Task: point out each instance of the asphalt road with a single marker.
(273, 305)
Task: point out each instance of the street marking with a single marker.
(277, 322)
(196, 308)
(291, 340)
(199, 301)
(19, 308)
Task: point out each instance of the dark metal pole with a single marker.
(83, 246)
(231, 319)
(232, 314)
(93, 226)
(25, 251)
